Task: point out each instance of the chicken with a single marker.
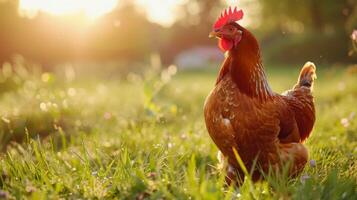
(243, 113)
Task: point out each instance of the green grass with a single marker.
(143, 136)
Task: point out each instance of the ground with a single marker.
(142, 135)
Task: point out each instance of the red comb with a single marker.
(227, 16)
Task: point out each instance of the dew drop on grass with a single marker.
(183, 136)
(172, 70)
(45, 77)
(71, 92)
(43, 107)
(345, 122)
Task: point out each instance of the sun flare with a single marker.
(92, 9)
(158, 11)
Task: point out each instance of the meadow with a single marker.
(141, 135)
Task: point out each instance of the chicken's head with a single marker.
(228, 32)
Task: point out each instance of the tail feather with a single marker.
(307, 76)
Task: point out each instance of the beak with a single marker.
(215, 33)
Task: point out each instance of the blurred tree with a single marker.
(192, 27)
(329, 15)
(124, 33)
(309, 29)
(9, 24)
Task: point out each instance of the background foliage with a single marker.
(307, 29)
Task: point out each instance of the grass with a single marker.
(142, 135)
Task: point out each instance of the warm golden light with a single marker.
(162, 12)
(92, 9)
(159, 11)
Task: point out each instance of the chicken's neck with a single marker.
(246, 70)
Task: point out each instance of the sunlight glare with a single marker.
(92, 9)
(162, 12)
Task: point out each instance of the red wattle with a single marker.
(225, 45)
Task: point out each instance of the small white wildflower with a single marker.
(304, 178)
(312, 163)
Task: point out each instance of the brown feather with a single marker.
(243, 113)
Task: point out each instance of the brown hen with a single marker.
(243, 113)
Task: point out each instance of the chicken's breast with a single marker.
(235, 120)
